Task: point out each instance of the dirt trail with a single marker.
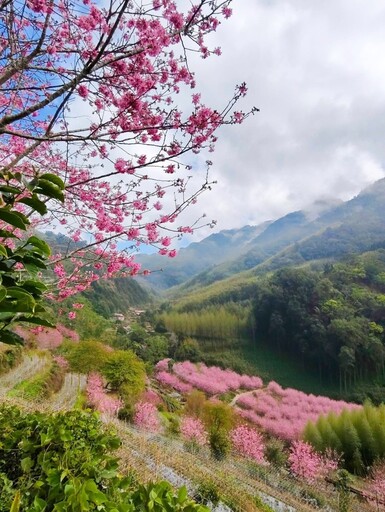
(234, 400)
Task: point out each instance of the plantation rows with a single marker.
(281, 412)
(155, 456)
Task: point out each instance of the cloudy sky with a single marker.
(316, 70)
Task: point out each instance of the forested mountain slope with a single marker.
(355, 226)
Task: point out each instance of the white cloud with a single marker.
(316, 70)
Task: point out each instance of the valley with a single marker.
(257, 383)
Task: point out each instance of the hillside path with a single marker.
(235, 399)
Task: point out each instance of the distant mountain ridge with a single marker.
(331, 230)
(198, 256)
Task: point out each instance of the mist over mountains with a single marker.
(329, 229)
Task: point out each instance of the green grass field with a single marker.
(260, 360)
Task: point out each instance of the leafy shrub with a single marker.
(9, 357)
(275, 452)
(188, 350)
(219, 443)
(125, 373)
(161, 498)
(63, 462)
(207, 493)
(86, 356)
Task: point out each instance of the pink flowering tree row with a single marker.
(210, 379)
(285, 412)
(98, 398)
(100, 97)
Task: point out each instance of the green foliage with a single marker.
(230, 321)
(332, 320)
(276, 453)
(116, 295)
(63, 462)
(195, 403)
(155, 348)
(218, 418)
(9, 357)
(40, 385)
(124, 373)
(160, 497)
(358, 436)
(90, 325)
(188, 350)
(207, 493)
(343, 483)
(21, 290)
(219, 442)
(86, 356)
(218, 415)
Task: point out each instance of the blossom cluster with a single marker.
(212, 380)
(146, 417)
(61, 361)
(248, 442)
(285, 412)
(123, 69)
(98, 398)
(193, 431)
(309, 465)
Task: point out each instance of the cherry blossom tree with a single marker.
(146, 417)
(99, 97)
(309, 465)
(248, 442)
(98, 398)
(193, 432)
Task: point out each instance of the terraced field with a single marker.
(155, 457)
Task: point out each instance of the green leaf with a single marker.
(49, 189)
(16, 502)
(3, 251)
(7, 234)
(16, 219)
(54, 179)
(11, 338)
(35, 320)
(18, 293)
(9, 189)
(26, 464)
(182, 494)
(40, 244)
(39, 504)
(34, 203)
(34, 261)
(3, 293)
(34, 287)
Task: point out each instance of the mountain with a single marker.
(198, 256)
(329, 230)
(107, 296)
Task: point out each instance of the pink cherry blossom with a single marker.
(146, 417)
(248, 442)
(193, 430)
(128, 69)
